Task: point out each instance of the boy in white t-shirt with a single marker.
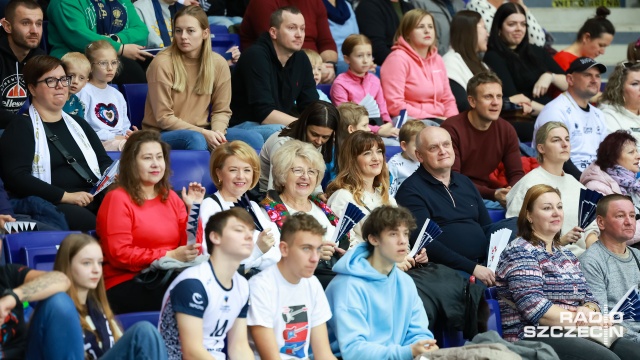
(404, 164)
(208, 301)
(289, 310)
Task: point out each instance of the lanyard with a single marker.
(162, 25)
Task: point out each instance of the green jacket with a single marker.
(72, 26)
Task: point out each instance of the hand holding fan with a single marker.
(107, 179)
(352, 215)
(430, 230)
(245, 203)
(587, 207)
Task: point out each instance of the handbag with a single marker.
(164, 270)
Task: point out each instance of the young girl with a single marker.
(106, 109)
(357, 82)
(80, 258)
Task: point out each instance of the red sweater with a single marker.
(478, 153)
(317, 35)
(133, 236)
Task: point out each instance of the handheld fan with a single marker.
(371, 105)
(629, 305)
(107, 179)
(19, 226)
(497, 244)
(430, 230)
(587, 207)
(401, 118)
(245, 203)
(352, 215)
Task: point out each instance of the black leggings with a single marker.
(130, 296)
(78, 217)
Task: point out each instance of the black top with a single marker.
(14, 331)
(17, 149)
(459, 211)
(260, 84)
(5, 205)
(519, 77)
(378, 20)
(13, 90)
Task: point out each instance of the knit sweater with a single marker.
(478, 153)
(317, 35)
(610, 276)
(72, 26)
(351, 87)
(167, 109)
(419, 85)
(105, 111)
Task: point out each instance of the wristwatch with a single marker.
(10, 292)
(114, 37)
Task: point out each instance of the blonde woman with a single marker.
(190, 89)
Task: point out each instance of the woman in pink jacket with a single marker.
(615, 170)
(413, 76)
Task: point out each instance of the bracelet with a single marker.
(122, 50)
(591, 307)
(10, 292)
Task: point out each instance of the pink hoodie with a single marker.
(419, 85)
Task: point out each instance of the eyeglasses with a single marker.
(629, 64)
(298, 171)
(104, 63)
(53, 82)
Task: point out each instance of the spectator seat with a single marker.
(39, 258)
(496, 215)
(136, 97)
(127, 320)
(13, 243)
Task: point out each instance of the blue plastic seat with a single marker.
(13, 243)
(39, 258)
(218, 29)
(497, 215)
(127, 320)
(224, 41)
(188, 166)
(136, 97)
(325, 88)
(392, 150)
(495, 319)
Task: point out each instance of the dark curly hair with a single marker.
(611, 147)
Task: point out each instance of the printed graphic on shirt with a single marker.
(9, 327)
(108, 114)
(14, 92)
(295, 331)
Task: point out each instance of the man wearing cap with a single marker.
(585, 122)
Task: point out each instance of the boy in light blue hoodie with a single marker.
(376, 308)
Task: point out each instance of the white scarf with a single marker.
(41, 166)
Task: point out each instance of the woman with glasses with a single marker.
(105, 107)
(52, 158)
(318, 125)
(190, 89)
(76, 23)
(620, 100)
(297, 168)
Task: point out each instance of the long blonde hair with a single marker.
(69, 248)
(204, 82)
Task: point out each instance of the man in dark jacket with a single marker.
(450, 199)
(272, 76)
(19, 41)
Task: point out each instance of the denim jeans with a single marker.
(54, 330)
(193, 140)
(264, 130)
(142, 341)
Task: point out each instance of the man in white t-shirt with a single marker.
(208, 301)
(289, 310)
(586, 123)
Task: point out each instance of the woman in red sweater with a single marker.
(141, 221)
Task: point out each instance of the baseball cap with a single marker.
(584, 64)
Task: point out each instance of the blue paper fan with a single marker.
(587, 207)
(630, 307)
(430, 230)
(352, 215)
(245, 203)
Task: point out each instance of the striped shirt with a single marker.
(533, 279)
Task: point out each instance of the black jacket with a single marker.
(378, 21)
(13, 90)
(459, 211)
(260, 84)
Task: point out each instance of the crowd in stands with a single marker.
(404, 111)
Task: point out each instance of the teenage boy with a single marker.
(377, 308)
(289, 310)
(208, 301)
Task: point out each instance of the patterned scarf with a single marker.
(629, 185)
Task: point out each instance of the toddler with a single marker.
(405, 163)
(77, 66)
(316, 65)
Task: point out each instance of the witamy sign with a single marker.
(571, 330)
